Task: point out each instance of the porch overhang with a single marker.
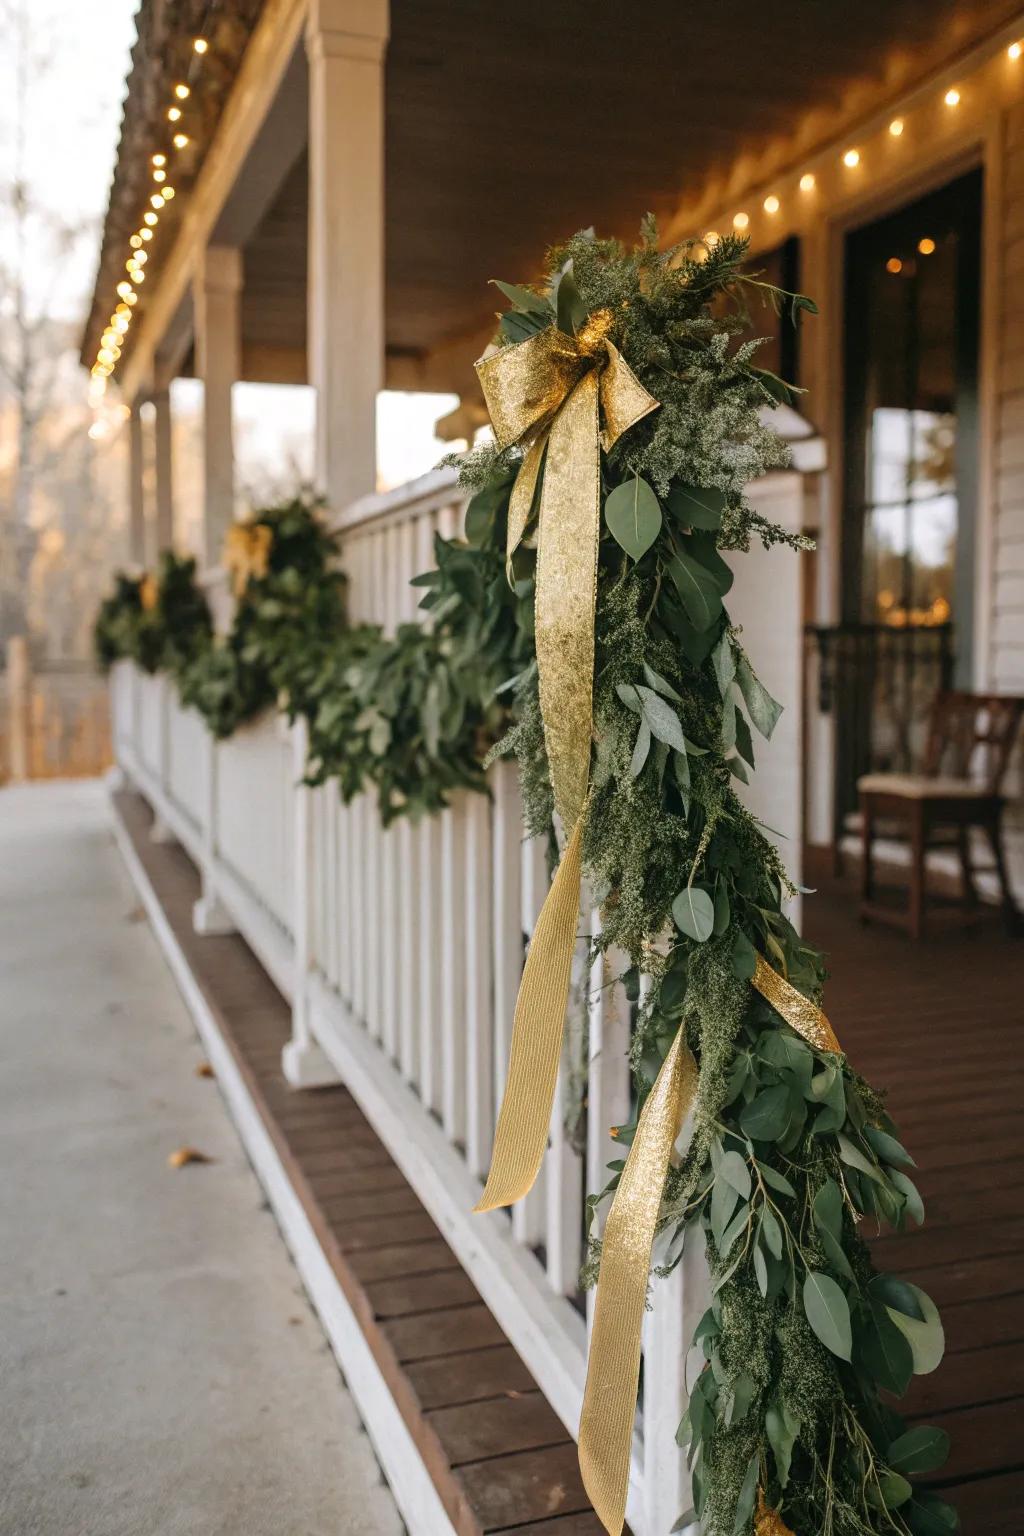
(504, 133)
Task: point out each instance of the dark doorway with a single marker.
(911, 326)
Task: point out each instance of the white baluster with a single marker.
(453, 971)
(303, 1062)
(430, 1002)
(608, 1092)
(409, 1011)
(479, 997)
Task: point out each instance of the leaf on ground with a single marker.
(184, 1155)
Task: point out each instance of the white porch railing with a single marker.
(401, 952)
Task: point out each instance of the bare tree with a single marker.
(35, 343)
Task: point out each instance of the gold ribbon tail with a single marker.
(613, 1374)
(798, 1011)
(522, 1134)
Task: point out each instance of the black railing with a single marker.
(878, 682)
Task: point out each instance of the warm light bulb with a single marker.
(894, 265)
(141, 258)
(131, 297)
(167, 193)
(159, 159)
(123, 311)
(740, 220)
(135, 242)
(807, 182)
(200, 44)
(156, 201)
(180, 140)
(771, 204)
(926, 246)
(146, 234)
(712, 238)
(181, 90)
(150, 218)
(851, 158)
(173, 114)
(124, 288)
(159, 175)
(1014, 51)
(121, 323)
(952, 97)
(896, 127)
(104, 355)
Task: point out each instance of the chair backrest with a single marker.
(971, 736)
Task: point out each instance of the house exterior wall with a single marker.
(1006, 647)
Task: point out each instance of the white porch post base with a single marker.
(305, 1066)
(160, 832)
(115, 779)
(210, 917)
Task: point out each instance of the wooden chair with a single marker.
(970, 739)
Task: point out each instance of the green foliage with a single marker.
(167, 634)
(790, 1148)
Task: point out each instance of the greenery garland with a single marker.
(162, 622)
(790, 1148)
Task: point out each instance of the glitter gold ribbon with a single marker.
(768, 1521)
(613, 1372)
(548, 394)
(246, 554)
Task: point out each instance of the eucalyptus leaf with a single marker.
(747, 1496)
(763, 710)
(925, 1336)
(661, 717)
(828, 1312)
(733, 1169)
(697, 590)
(640, 750)
(744, 956)
(724, 663)
(523, 298)
(697, 506)
(694, 913)
(921, 1449)
(633, 515)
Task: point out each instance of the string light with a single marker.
(894, 265)
(926, 246)
(158, 160)
(182, 91)
(740, 220)
(851, 158)
(896, 127)
(173, 114)
(807, 182)
(166, 193)
(712, 237)
(159, 175)
(1014, 51)
(150, 219)
(146, 234)
(135, 242)
(180, 140)
(952, 97)
(199, 44)
(771, 204)
(157, 200)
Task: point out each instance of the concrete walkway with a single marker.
(160, 1370)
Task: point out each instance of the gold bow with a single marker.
(549, 394)
(149, 593)
(613, 1372)
(246, 554)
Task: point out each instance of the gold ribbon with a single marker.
(613, 1372)
(768, 1521)
(149, 593)
(246, 555)
(549, 394)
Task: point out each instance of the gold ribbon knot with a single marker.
(246, 555)
(549, 394)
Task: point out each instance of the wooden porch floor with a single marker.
(935, 1023)
(939, 1025)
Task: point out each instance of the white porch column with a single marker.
(136, 492)
(218, 348)
(345, 44)
(162, 466)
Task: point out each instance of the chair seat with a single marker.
(917, 786)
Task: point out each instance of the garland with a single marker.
(790, 1149)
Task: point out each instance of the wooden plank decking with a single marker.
(937, 1023)
(940, 1024)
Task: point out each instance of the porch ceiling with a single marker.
(508, 129)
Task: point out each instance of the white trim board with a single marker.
(411, 1484)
